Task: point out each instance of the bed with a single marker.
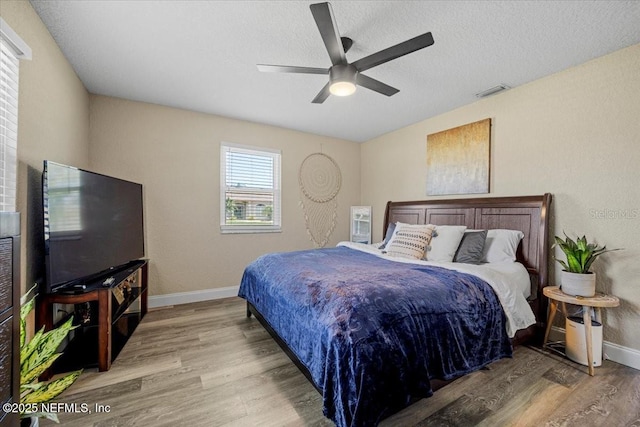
(374, 333)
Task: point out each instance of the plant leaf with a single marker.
(25, 309)
(36, 371)
(585, 258)
(570, 242)
(45, 346)
(52, 389)
(574, 263)
(580, 254)
(36, 356)
(23, 298)
(582, 243)
(562, 263)
(27, 350)
(48, 415)
(30, 386)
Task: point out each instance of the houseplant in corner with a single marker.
(36, 356)
(576, 278)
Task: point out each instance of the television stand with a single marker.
(106, 315)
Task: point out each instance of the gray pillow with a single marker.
(471, 247)
(390, 229)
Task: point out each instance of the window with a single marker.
(12, 48)
(250, 189)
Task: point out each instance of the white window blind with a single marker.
(12, 48)
(250, 189)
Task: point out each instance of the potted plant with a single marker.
(576, 278)
(36, 356)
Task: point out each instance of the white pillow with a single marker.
(409, 240)
(501, 245)
(445, 242)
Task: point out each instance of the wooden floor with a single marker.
(206, 364)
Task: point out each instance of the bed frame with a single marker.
(529, 214)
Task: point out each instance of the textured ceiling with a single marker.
(202, 55)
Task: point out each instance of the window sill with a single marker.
(240, 230)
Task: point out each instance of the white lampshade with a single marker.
(342, 88)
(343, 79)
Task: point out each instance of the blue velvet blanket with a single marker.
(373, 332)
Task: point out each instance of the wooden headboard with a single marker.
(529, 214)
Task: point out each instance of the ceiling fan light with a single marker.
(343, 79)
(342, 88)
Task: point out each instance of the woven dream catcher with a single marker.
(320, 181)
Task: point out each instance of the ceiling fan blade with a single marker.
(322, 95)
(375, 85)
(290, 69)
(323, 14)
(394, 52)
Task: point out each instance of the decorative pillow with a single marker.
(409, 241)
(501, 245)
(444, 242)
(390, 229)
(471, 247)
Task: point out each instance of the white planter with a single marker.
(577, 284)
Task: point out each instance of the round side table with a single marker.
(589, 305)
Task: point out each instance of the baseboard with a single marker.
(194, 296)
(623, 355)
(614, 352)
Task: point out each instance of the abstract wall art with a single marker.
(458, 159)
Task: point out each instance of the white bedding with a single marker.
(509, 280)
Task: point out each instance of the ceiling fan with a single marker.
(344, 76)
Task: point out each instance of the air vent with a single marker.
(492, 91)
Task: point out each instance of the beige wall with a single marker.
(575, 134)
(175, 154)
(53, 123)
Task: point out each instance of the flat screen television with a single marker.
(93, 224)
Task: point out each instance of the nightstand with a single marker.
(589, 305)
